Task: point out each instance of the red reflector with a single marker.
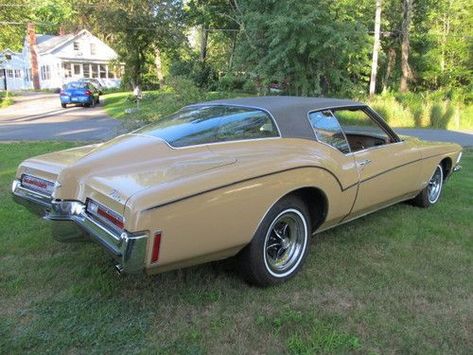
(111, 218)
(156, 245)
(88, 92)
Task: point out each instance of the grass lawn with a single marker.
(399, 280)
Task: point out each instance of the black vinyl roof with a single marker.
(289, 112)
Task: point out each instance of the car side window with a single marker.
(328, 130)
(361, 131)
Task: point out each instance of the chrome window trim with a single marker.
(223, 142)
(206, 144)
(378, 120)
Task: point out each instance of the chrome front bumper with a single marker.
(128, 249)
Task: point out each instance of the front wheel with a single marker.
(280, 244)
(431, 193)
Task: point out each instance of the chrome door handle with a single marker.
(363, 163)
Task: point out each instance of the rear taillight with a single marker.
(37, 184)
(117, 221)
(156, 246)
(105, 214)
(88, 92)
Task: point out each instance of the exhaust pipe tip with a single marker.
(119, 269)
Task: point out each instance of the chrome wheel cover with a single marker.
(435, 185)
(285, 243)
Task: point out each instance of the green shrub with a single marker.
(436, 115)
(448, 115)
(392, 111)
(230, 82)
(5, 99)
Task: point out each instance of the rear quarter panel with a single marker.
(213, 215)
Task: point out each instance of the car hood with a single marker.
(112, 172)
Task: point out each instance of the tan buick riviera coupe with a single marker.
(252, 177)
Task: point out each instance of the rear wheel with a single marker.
(279, 246)
(431, 193)
(64, 105)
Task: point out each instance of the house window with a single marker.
(86, 71)
(9, 73)
(30, 74)
(45, 72)
(67, 70)
(8, 56)
(103, 71)
(95, 73)
(17, 73)
(93, 49)
(77, 69)
(76, 46)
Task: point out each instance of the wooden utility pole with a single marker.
(33, 56)
(376, 47)
(406, 74)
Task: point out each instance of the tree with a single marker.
(139, 30)
(311, 47)
(405, 46)
(13, 19)
(376, 47)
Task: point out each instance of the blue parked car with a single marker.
(81, 93)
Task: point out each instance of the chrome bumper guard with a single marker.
(128, 249)
(457, 168)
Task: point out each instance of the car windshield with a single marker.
(77, 85)
(211, 124)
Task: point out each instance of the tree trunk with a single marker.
(158, 64)
(232, 53)
(376, 47)
(389, 67)
(406, 75)
(203, 44)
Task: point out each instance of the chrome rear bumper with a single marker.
(128, 249)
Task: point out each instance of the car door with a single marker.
(337, 158)
(388, 167)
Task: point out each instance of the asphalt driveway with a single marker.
(464, 138)
(39, 116)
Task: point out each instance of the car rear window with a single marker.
(77, 85)
(211, 124)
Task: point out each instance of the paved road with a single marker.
(464, 138)
(39, 116)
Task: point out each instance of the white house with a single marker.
(12, 70)
(49, 62)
